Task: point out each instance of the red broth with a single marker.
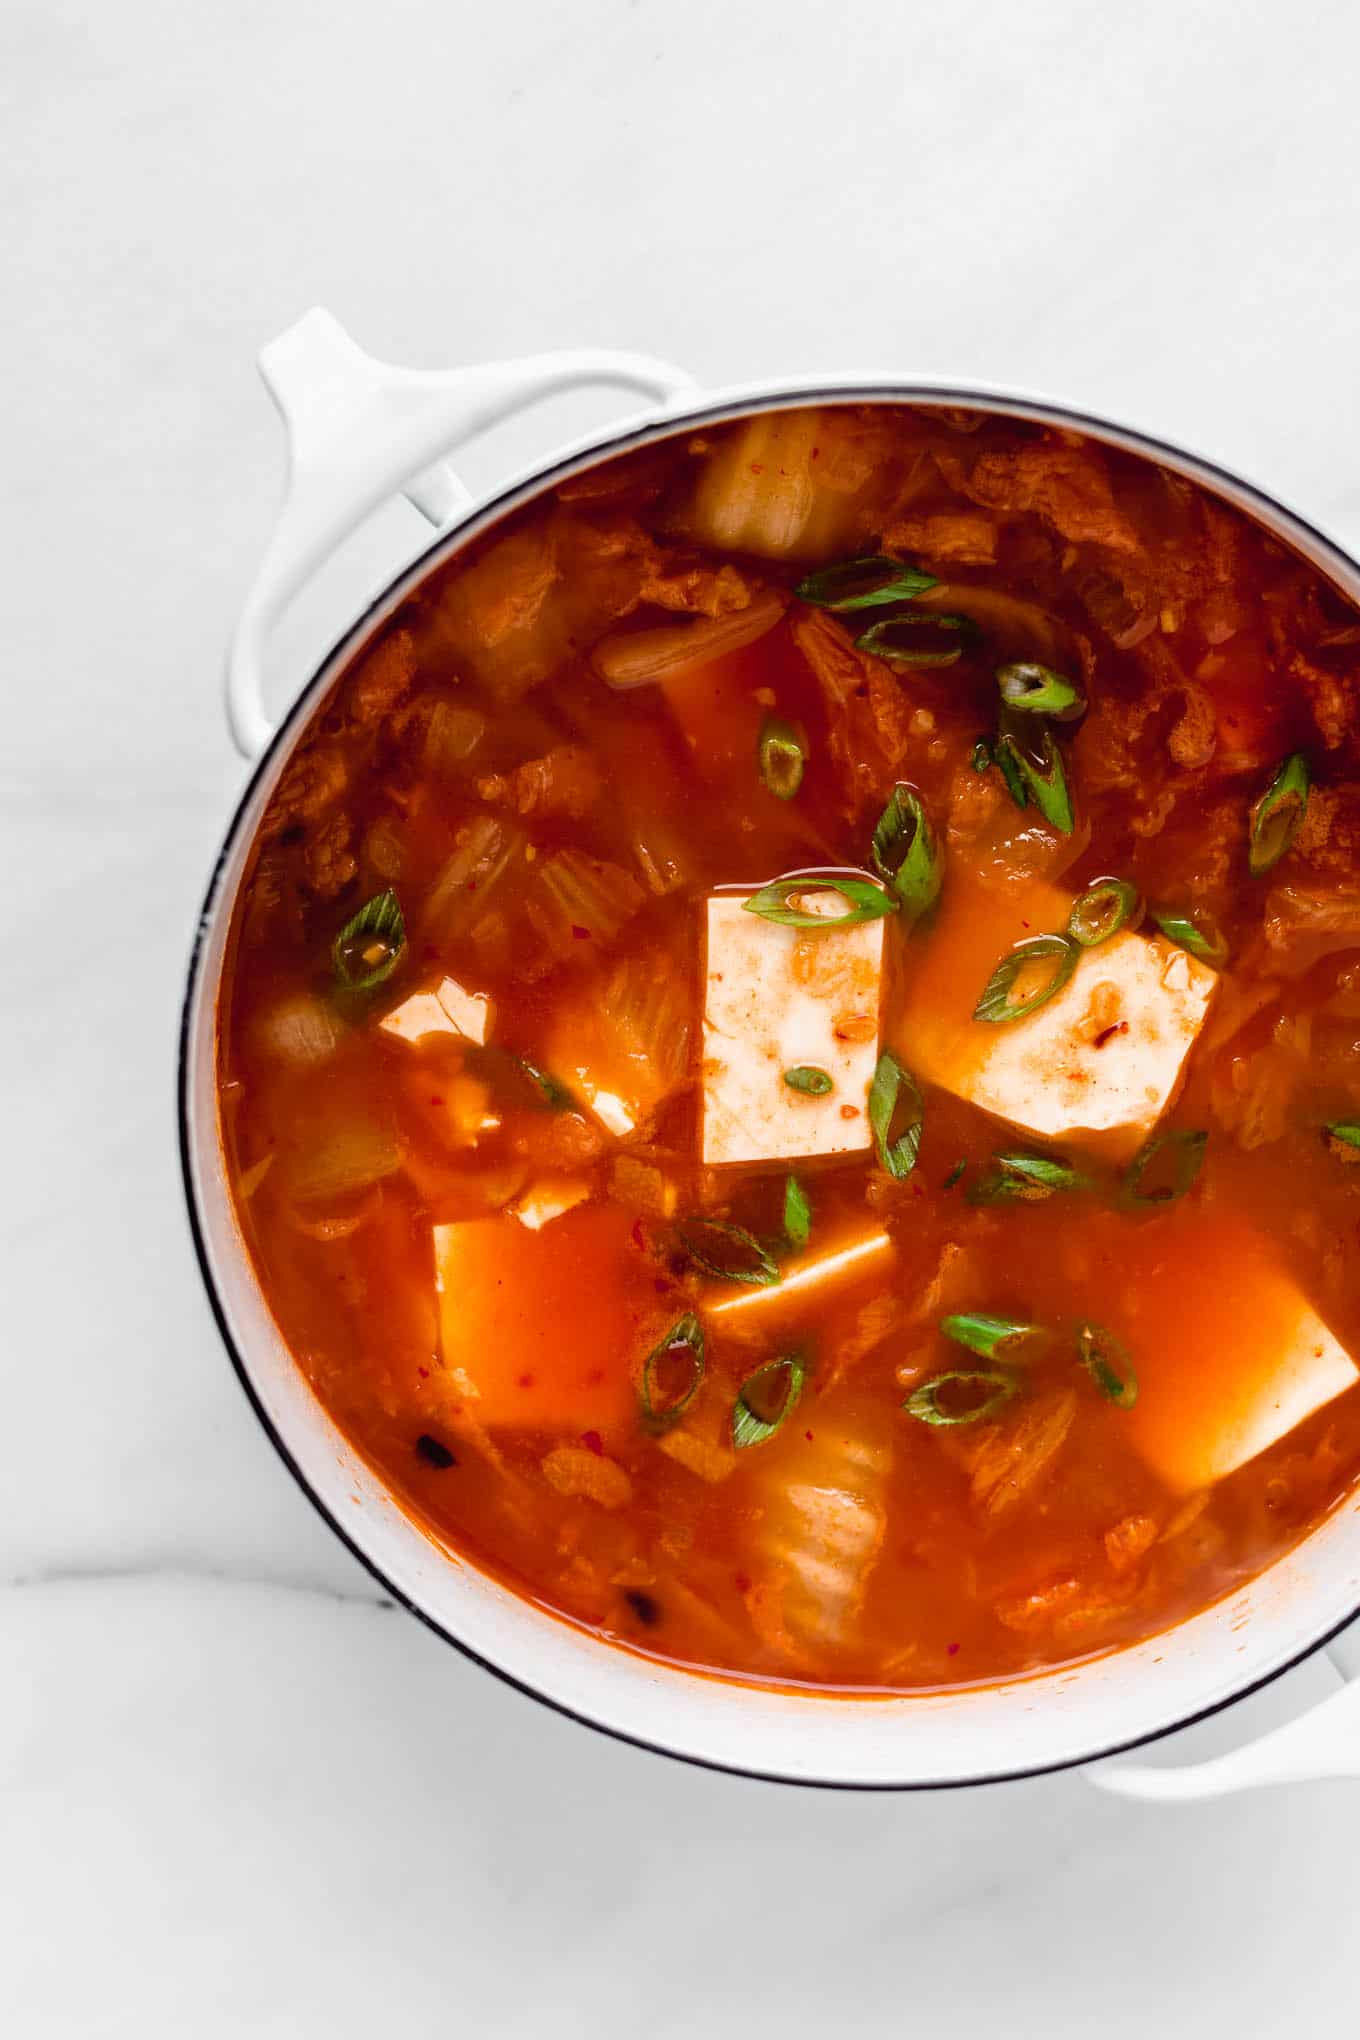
(563, 1172)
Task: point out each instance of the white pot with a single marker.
(359, 433)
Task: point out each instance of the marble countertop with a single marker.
(238, 1793)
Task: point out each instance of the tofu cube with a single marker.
(838, 1266)
(777, 999)
(1097, 1065)
(448, 1009)
(1230, 1354)
(545, 1325)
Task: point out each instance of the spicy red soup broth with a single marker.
(720, 1281)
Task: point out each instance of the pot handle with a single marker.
(360, 431)
(1323, 1743)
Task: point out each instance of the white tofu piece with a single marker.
(861, 1257)
(448, 1009)
(550, 1197)
(777, 999)
(1230, 1354)
(1094, 1067)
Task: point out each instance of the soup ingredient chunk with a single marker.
(852, 1258)
(1231, 1354)
(1095, 1064)
(780, 1000)
(448, 1009)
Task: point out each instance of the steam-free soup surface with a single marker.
(931, 1266)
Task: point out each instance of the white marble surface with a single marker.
(236, 1794)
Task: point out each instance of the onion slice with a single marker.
(637, 658)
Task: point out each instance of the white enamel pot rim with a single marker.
(360, 432)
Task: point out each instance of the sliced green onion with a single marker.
(981, 756)
(996, 1004)
(1106, 906)
(865, 901)
(1003, 758)
(781, 754)
(1277, 814)
(896, 1114)
(1343, 1133)
(954, 1176)
(863, 584)
(683, 1347)
(1026, 1179)
(1044, 781)
(1198, 932)
(1165, 1169)
(369, 946)
(812, 1082)
(899, 639)
(1038, 690)
(728, 1251)
(1107, 1362)
(551, 1091)
(797, 1213)
(925, 1404)
(750, 1424)
(906, 852)
(993, 1338)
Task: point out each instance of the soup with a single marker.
(789, 1055)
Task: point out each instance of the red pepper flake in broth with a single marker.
(579, 934)
(593, 1442)
(952, 1649)
(525, 1381)
(638, 1237)
(742, 1581)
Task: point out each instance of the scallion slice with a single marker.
(981, 756)
(863, 584)
(996, 1005)
(781, 754)
(1277, 814)
(778, 901)
(797, 1213)
(1195, 930)
(1026, 1179)
(680, 1353)
(906, 851)
(550, 1090)
(1107, 1362)
(1044, 780)
(905, 640)
(1343, 1134)
(955, 1175)
(896, 1114)
(812, 1082)
(756, 1416)
(370, 945)
(1106, 906)
(1038, 690)
(992, 1338)
(990, 1385)
(728, 1251)
(1003, 757)
(1165, 1169)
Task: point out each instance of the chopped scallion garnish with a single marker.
(896, 1114)
(955, 1175)
(963, 1396)
(863, 584)
(1343, 1135)
(797, 1213)
(1044, 780)
(812, 1082)
(1165, 1169)
(1276, 817)
(1195, 930)
(1107, 1362)
(671, 1374)
(1026, 1179)
(728, 1251)
(1038, 690)
(993, 1338)
(369, 946)
(996, 1005)
(1106, 906)
(905, 640)
(766, 1398)
(981, 756)
(779, 901)
(781, 755)
(551, 1091)
(906, 851)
